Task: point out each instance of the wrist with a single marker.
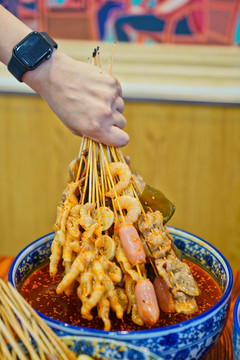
(41, 78)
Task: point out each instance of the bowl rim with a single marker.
(141, 333)
(236, 315)
(117, 342)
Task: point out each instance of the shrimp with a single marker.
(104, 216)
(131, 205)
(122, 170)
(86, 219)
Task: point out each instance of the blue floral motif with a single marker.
(170, 340)
(209, 324)
(182, 354)
(87, 348)
(133, 355)
(209, 260)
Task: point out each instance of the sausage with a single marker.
(132, 244)
(147, 303)
(164, 296)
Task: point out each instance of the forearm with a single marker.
(12, 31)
(86, 98)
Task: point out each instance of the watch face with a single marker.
(39, 50)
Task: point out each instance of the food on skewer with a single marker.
(147, 303)
(107, 240)
(173, 271)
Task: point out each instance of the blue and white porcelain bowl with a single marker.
(236, 329)
(99, 348)
(188, 340)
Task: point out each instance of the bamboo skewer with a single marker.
(111, 60)
(97, 182)
(19, 322)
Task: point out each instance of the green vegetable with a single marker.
(177, 251)
(156, 200)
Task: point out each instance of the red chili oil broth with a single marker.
(39, 289)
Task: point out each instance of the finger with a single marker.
(119, 88)
(118, 105)
(114, 137)
(119, 120)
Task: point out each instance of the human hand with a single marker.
(87, 99)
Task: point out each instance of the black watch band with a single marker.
(29, 53)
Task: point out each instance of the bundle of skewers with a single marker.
(107, 240)
(110, 227)
(23, 334)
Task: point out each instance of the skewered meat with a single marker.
(147, 303)
(132, 244)
(97, 237)
(122, 171)
(174, 272)
(130, 204)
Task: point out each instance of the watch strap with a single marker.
(46, 37)
(16, 68)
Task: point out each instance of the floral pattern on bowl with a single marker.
(110, 349)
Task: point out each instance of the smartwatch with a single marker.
(27, 55)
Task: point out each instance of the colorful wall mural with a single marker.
(166, 21)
